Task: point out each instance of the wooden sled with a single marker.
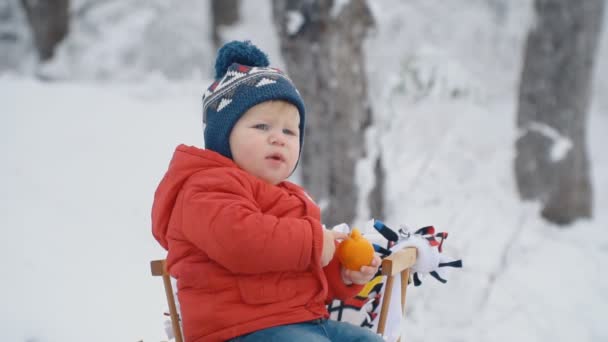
(398, 263)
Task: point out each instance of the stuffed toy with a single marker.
(363, 310)
(429, 246)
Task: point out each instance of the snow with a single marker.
(82, 158)
(131, 40)
(295, 20)
(80, 165)
(560, 145)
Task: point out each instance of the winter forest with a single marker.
(484, 118)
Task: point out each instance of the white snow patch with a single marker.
(560, 143)
(295, 20)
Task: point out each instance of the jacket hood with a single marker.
(186, 161)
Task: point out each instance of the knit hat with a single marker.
(243, 79)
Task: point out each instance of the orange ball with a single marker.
(355, 251)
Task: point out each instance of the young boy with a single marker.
(250, 255)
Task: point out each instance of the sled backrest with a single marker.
(399, 262)
(159, 268)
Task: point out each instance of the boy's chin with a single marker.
(272, 179)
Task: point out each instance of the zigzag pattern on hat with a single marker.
(265, 81)
(235, 76)
(219, 95)
(223, 103)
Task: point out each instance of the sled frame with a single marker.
(398, 262)
(159, 269)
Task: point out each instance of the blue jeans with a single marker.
(318, 330)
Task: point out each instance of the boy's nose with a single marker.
(276, 140)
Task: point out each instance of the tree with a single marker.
(551, 164)
(49, 21)
(322, 44)
(223, 13)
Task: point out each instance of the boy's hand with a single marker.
(364, 275)
(329, 245)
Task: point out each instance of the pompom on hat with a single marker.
(243, 79)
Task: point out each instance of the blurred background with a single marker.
(484, 118)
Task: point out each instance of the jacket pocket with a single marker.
(266, 288)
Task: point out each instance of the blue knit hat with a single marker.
(243, 79)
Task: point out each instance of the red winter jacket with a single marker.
(245, 253)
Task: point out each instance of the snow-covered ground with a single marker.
(82, 158)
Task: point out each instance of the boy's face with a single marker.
(265, 141)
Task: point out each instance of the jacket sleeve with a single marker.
(222, 218)
(336, 287)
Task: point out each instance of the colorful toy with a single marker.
(429, 249)
(364, 309)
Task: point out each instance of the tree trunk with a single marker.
(49, 21)
(551, 164)
(323, 53)
(223, 13)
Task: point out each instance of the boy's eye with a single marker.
(261, 126)
(289, 131)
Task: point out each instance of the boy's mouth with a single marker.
(276, 157)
